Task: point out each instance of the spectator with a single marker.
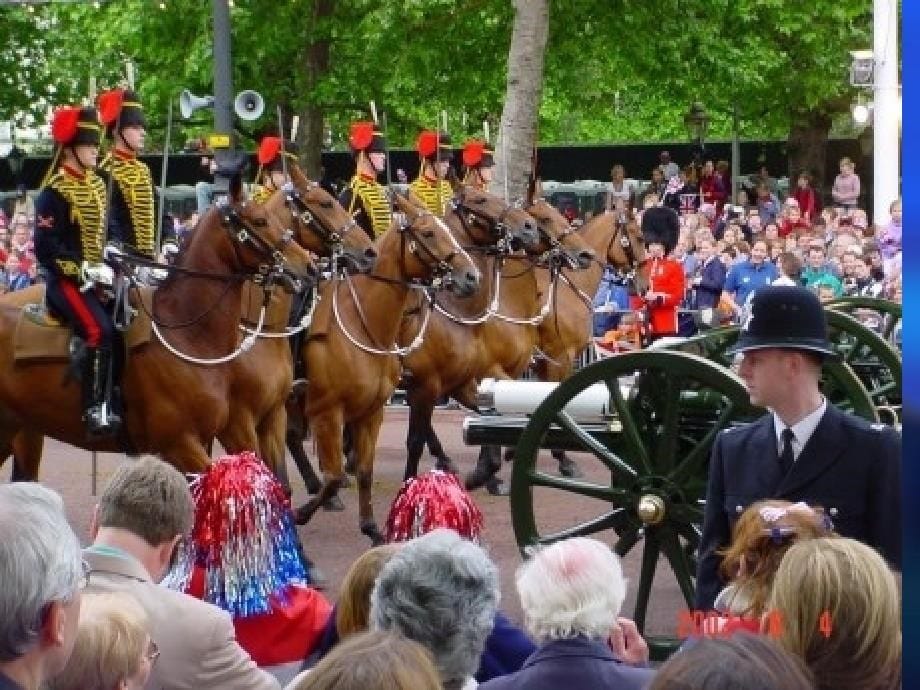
(142, 515)
(865, 283)
(768, 206)
(763, 533)
(113, 650)
(278, 619)
(668, 167)
(806, 197)
(373, 661)
(42, 578)
(23, 203)
(712, 187)
(657, 186)
(838, 603)
(790, 269)
(818, 270)
(571, 594)
(746, 277)
(792, 218)
(620, 195)
(17, 275)
(754, 221)
(845, 191)
(751, 662)
(890, 237)
(688, 194)
(762, 177)
(860, 221)
(441, 591)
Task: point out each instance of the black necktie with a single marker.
(786, 456)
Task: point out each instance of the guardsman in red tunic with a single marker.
(131, 219)
(667, 283)
(365, 198)
(479, 161)
(431, 185)
(70, 214)
(270, 176)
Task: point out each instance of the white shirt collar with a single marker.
(803, 429)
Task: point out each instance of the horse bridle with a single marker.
(332, 238)
(244, 233)
(440, 266)
(622, 236)
(498, 228)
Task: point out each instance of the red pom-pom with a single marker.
(361, 135)
(64, 124)
(110, 105)
(473, 152)
(269, 150)
(427, 144)
(433, 500)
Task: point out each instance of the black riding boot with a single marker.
(100, 417)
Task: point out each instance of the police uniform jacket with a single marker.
(69, 219)
(848, 467)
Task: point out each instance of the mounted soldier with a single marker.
(270, 176)
(479, 162)
(70, 214)
(365, 198)
(431, 185)
(131, 219)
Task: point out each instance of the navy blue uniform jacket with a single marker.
(848, 467)
(709, 291)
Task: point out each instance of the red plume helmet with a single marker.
(64, 124)
(427, 144)
(472, 153)
(110, 105)
(361, 135)
(269, 150)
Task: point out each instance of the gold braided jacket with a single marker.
(434, 195)
(136, 186)
(373, 198)
(86, 199)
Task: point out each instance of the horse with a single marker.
(261, 379)
(493, 335)
(351, 362)
(173, 407)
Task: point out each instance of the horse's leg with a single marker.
(365, 436)
(327, 430)
(487, 466)
(559, 371)
(421, 409)
(27, 449)
(294, 438)
(187, 454)
(271, 433)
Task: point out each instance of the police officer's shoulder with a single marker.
(860, 425)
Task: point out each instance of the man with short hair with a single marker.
(746, 277)
(142, 516)
(42, 576)
(804, 448)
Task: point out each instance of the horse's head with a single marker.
(262, 243)
(322, 225)
(557, 237)
(429, 251)
(626, 250)
(489, 220)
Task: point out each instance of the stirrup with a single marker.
(101, 420)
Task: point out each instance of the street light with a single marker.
(15, 159)
(696, 120)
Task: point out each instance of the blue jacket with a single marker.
(573, 664)
(744, 278)
(507, 648)
(709, 290)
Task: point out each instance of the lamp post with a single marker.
(696, 120)
(15, 159)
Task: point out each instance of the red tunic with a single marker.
(666, 276)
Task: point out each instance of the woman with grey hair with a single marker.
(571, 594)
(42, 575)
(441, 591)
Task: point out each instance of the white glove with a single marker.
(112, 252)
(97, 274)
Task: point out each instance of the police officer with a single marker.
(479, 161)
(431, 185)
(131, 218)
(70, 215)
(270, 176)
(365, 198)
(804, 449)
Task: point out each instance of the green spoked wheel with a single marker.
(666, 408)
(889, 312)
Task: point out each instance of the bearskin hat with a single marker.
(72, 126)
(660, 224)
(434, 145)
(120, 107)
(478, 154)
(270, 150)
(365, 136)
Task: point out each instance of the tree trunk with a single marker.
(807, 147)
(315, 66)
(518, 133)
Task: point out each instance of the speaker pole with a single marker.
(284, 165)
(158, 231)
(223, 92)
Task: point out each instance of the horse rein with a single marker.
(300, 210)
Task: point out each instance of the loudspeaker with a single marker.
(248, 105)
(189, 103)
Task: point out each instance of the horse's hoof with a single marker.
(347, 482)
(445, 464)
(496, 487)
(568, 468)
(303, 514)
(334, 505)
(372, 532)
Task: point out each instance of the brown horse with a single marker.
(350, 355)
(261, 379)
(173, 407)
(492, 335)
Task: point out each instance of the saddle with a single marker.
(41, 336)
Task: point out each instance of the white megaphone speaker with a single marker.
(189, 103)
(249, 105)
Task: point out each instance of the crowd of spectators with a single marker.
(729, 250)
(804, 607)
(18, 267)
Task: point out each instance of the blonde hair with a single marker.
(111, 640)
(839, 606)
(760, 538)
(374, 659)
(354, 604)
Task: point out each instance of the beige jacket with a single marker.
(198, 648)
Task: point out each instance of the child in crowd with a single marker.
(846, 185)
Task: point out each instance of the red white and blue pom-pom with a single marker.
(243, 551)
(429, 501)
